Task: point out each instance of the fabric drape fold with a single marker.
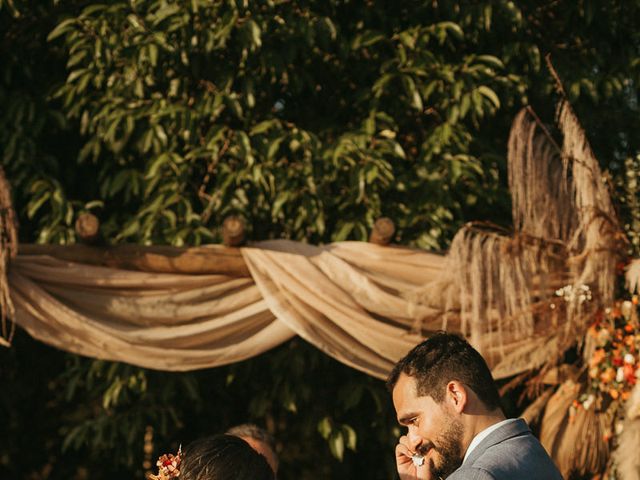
(351, 299)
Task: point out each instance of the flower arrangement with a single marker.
(613, 364)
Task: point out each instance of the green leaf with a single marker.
(76, 74)
(399, 151)
(366, 39)
(263, 127)
(343, 232)
(408, 39)
(324, 427)
(380, 84)
(412, 92)
(371, 174)
(234, 106)
(61, 29)
(34, 205)
(534, 57)
(166, 11)
(122, 178)
(491, 60)
(453, 29)
(490, 94)
(274, 146)
(156, 165)
(465, 103)
(279, 202)
(256, 34)
(336, 445)
(350, 434)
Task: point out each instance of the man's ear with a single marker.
(456, 395)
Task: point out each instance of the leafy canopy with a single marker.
(308, 118)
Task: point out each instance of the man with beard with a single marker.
(444, 393)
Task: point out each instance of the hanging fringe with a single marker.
(541, 201)
(8, 250)
(566, 236)
(632, 276)
(598, 240)
(625, 456)
(533, 412)
(507, 294)
(578, 443)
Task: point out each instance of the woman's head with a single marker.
(223, 457)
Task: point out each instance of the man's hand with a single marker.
(407, 470)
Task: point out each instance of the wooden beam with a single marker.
(209, 259)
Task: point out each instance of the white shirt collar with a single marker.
(484, 434)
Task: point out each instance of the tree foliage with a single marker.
(309, 119)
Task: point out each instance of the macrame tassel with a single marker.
(8, 250)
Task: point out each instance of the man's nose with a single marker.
(415, 440)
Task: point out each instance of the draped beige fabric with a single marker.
(346, 299)
(155, 320)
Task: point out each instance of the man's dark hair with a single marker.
(444, 357)
(223, 457)
(253, 431)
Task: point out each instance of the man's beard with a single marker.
(449, 447)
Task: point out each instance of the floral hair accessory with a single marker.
(168, 466)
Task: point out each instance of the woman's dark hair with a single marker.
(223, 457)
(444, 357)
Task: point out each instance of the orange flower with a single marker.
(625, 396)
(608, 375)
(629, 371)
(597, 357)
(613, 393)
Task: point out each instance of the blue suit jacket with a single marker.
(510, 452)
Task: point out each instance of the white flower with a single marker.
(626, 308)
(630, 359)
(582, 293)
(604, 336)
(588, 402)
(620, 375)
